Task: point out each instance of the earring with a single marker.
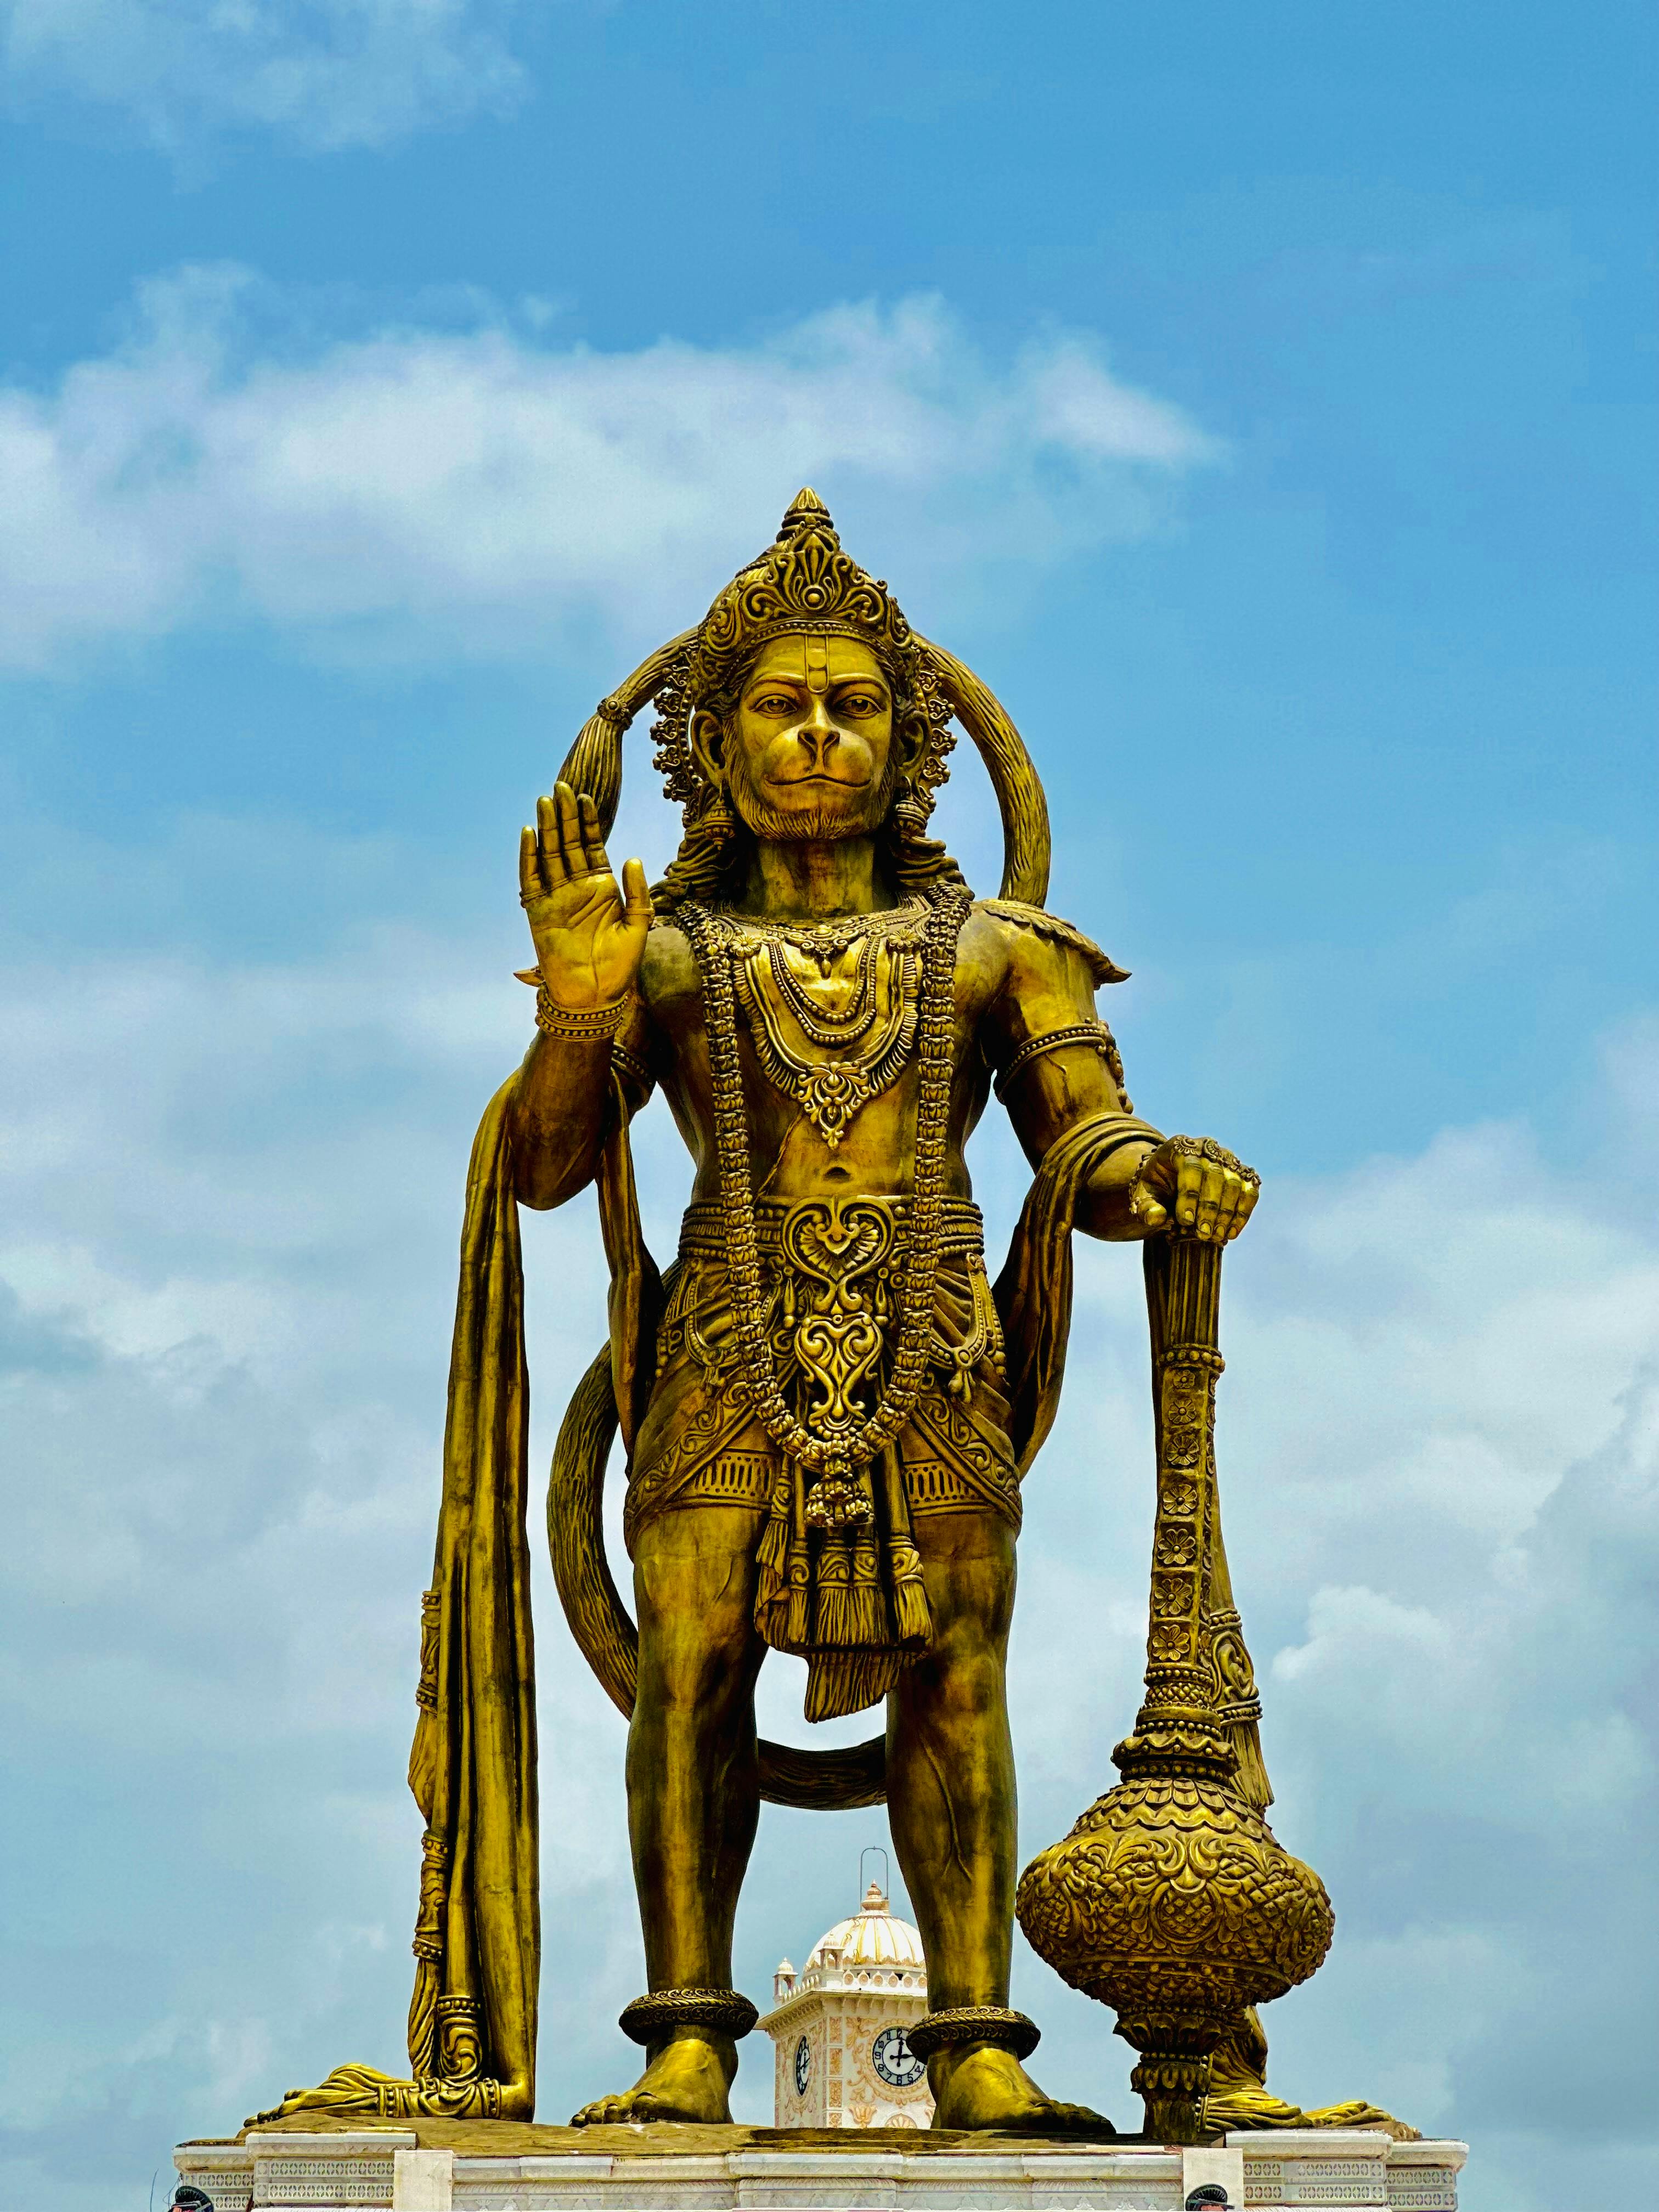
(718, 818)
(910, 811)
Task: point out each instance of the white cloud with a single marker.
(326, 73)
(419, 492)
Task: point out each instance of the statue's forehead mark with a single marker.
(818, 661)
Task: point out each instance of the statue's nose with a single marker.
(817, 733)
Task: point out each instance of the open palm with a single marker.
(589, 932)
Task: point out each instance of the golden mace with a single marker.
(1171, 1900)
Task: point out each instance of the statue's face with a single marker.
(809, 752)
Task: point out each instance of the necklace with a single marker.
(814, 1021)
(831, 1091)
(837, 1459)
(822, 941)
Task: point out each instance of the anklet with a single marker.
(722, 2011)
(944, 2031)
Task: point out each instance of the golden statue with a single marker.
(827, 1408)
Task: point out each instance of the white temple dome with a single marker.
(872, 1937)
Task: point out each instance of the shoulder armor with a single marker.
(1044, 924)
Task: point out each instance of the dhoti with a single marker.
(849, 1600)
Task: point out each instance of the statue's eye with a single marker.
(773, 702)
(860, 702)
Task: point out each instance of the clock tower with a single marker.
(838, 2029)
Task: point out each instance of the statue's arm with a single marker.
(1057, 1065)
(1054, 1060)
(564, 1106)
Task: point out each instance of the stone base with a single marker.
(449, 2165)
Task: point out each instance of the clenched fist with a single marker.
(1195, 1187)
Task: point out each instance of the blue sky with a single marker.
(1263, 401)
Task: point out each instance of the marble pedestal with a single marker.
(452, 2166)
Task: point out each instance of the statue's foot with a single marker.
(979, 2086)
(688, 2080)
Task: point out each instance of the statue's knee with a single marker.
(964, 1675)
(696, 1659)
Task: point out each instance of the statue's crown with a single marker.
(802, 581)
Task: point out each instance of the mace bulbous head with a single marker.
(1172, 1901)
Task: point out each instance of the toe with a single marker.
(1083, 2116)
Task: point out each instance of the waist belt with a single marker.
(832, 1223)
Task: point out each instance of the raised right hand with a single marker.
(589, 934)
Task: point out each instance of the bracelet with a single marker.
(594, 1024)
(944, 2031)
(1095, 1035)
(720, 2012)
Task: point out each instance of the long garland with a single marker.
(935, 1059)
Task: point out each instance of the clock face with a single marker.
(895, 2061)
(802, 2066)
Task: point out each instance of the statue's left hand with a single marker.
(1195, 1187)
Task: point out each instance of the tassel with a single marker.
(867, 1607)
(798, 1628)
(915, 1620)
(773, 1543)
(423, 2020)
(912, 1617)
(835, 1622)
(842, 1682)
(772, 1591)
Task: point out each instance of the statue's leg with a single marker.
(693, 1788)
(952, 1807)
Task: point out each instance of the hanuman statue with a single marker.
(826, 1405)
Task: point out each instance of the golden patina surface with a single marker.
(826, 1406)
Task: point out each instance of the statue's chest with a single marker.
(832, 1013)
(831, 1031)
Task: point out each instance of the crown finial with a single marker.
(807, 511)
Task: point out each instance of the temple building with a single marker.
(838, 2028)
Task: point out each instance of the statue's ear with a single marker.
(707, 738)
(911, 737)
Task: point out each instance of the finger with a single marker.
(1146, 1207)
(1211, 1187)
(570, 832)
(1189, 1178)
(1226, 1213)
(638, 911)
(547, 837)
(1246, 1199)
(593, 837)
(1226, 1205)
(1212, 1181)
(530, 866)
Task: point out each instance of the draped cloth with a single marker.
(472, 1768)
(1034, 1290)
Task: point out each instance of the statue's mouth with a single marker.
(802, 782)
